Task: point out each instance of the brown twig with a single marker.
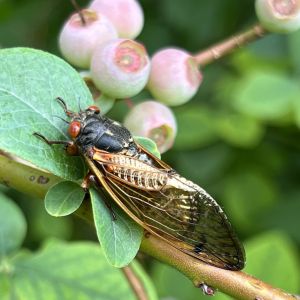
(79, 11)
(219, 50)
(135, 283)
(236, 284)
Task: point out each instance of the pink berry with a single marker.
(174, 77)
(280, 16)
(153, 120)
(120, 68)
(77, 41)
(126, 15)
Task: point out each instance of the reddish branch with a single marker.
(225, 47)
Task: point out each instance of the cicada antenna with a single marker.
(64, 106)
(61, 119)
(79, 106)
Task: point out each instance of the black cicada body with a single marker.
(151, 192)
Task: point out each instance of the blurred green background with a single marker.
(238, 138)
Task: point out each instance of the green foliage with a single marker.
(63, 271)
(58, 270)
(54, 271)
(148, 144)
(239, 130)
(64, 198)
(190, 135)
(266, 95)
(248, 194)
(12, 226)
(273, 258)
(119, 238)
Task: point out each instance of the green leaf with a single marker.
(65, 271)
(30, 80)
(285, 214)
(195, 127)
(64, 198)
(265, 95)
(296, 110)
(12, 226)
(248, 195)
(148, 144)
(121, 238)
(43, 226)
(272, 257)
(293, 42)
(204, 166)
(239, 130)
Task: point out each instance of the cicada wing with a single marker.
(205, 233)
(187, 218)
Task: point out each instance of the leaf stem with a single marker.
(135, 283)
(225, 47)
(239, 285)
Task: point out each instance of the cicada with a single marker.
(151, 192)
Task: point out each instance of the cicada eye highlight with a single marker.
(74, 129)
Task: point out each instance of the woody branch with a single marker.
(225, 47)
(235, 284)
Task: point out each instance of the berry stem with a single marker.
(78, 10)
(135, 283)
(225, 47)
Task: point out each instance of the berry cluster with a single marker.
(101, 37)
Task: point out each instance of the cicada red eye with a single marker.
(94, 109)
(74, 129)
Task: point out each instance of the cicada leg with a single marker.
(89, 179)
(70, 147)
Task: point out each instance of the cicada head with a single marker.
(89, 129)
(78, 120)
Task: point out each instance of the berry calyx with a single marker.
(120, 68)
(174, 77)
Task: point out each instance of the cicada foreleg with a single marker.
(70, 147)
(89, 179)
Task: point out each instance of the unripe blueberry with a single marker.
(153, 120)
(174, 77)
(126, 15)
(280, 16)
(77, 41)
(120, 68)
